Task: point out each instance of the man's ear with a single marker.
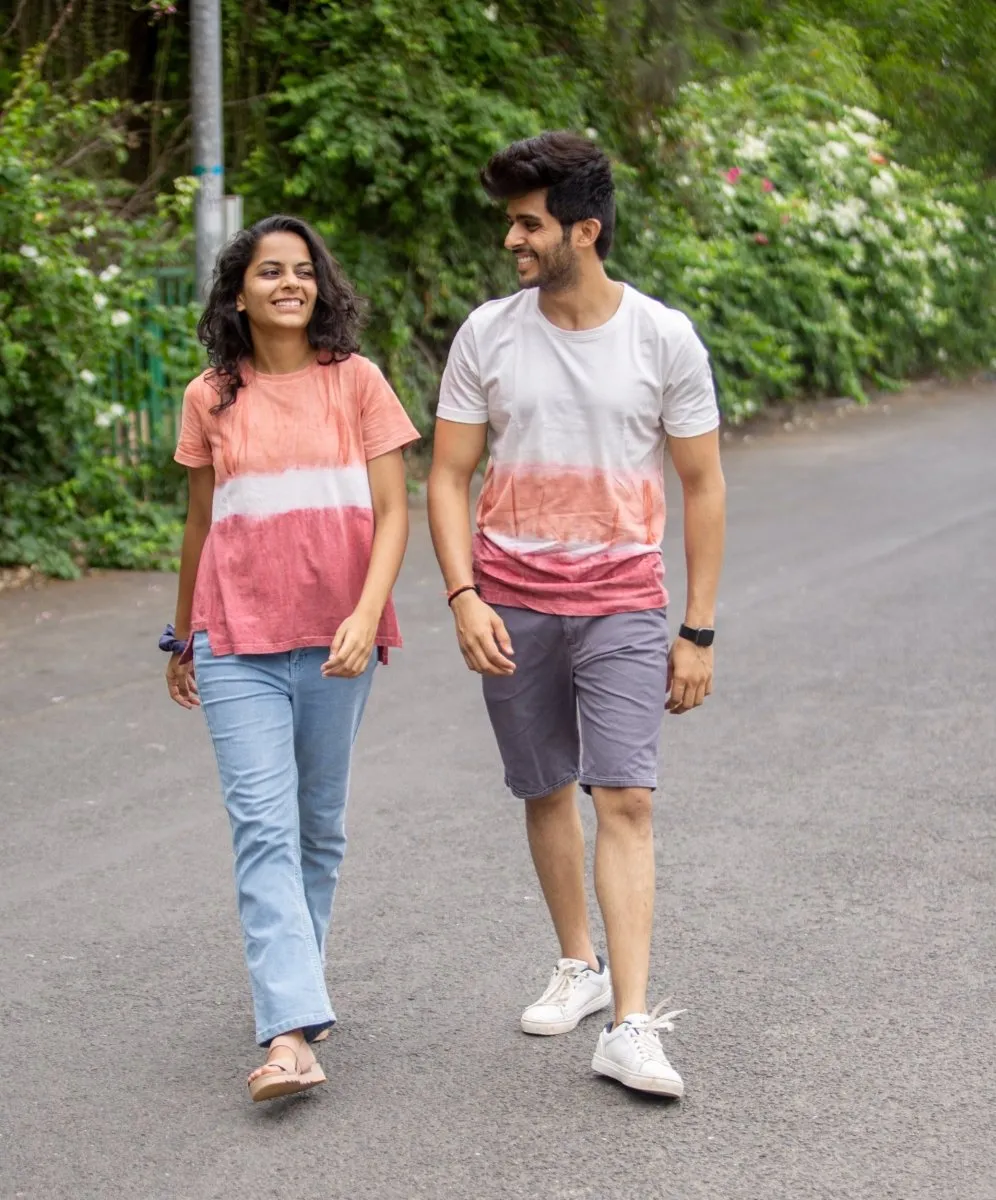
(586, 233)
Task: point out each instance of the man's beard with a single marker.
(558, 269)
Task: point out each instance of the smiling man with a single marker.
(574, 384)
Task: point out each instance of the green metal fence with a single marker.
(148, 376)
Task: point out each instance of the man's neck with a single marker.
(592, 300)
(281, 355)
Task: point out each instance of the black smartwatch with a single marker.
(701, 637)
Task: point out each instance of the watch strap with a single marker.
(700, 637)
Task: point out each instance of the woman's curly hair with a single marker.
(334, 326)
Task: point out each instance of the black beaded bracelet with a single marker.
(470, 587)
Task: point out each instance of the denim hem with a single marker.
(521, 794)
(315, 1021)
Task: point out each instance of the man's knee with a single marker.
(552, 805)
(632, 807)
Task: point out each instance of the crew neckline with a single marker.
(284, 375)
(585, 335)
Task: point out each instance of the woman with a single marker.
(296, 529)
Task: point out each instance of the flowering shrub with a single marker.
(74, 274)
(810, 260)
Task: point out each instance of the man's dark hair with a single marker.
(574, 171)
(334, 326)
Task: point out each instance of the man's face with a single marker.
(544, 258)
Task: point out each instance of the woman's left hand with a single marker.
(352, 646)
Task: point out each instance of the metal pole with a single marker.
(206, 98)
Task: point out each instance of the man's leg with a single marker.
(624, 884)
(534, 716)
(620, 666)
(556, 841)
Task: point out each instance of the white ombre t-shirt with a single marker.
(571, 515)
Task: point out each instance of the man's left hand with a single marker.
(689, 676)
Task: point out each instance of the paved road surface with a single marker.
(826, 900)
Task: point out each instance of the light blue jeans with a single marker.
(283, 737)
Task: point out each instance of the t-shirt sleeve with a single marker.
(461, 397)
(689, 400)
(193, 449)
(386, 426)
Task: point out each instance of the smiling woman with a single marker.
(295, 533)
(279, 280)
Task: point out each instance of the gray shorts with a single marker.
(585, 703)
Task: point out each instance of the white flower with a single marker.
(103, 420)
(109, 273)
(882, 184)
(88, 232)
(491, 13)
(591, 132)
(729, 190)
(88, 378)
(847, 217)
(684, 181)
(942, 355)
(866, 118)
(29, 251)
(120, 317)
(863, 139)
(83, 273)
(99, 301)
(753, 149)
(833, 152)
(117, 411)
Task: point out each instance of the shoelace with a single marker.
(645, 1035)
(562, 984)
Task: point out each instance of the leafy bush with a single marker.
(381, 147)
(809, 259)
(74, 280)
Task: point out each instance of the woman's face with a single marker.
(279, 289)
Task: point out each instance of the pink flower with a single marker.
(878, 159)
(786, 217)
(733, 175)
(767, 185)
(761, 239)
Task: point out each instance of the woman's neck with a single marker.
(281, 356)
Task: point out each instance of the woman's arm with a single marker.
(354, 639)
(180, 679)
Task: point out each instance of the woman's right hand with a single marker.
(181, 682)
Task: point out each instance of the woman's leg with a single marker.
(327, 715)
(247, 704)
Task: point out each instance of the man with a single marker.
(559, 599)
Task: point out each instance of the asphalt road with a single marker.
(826, 886)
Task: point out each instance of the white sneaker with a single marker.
(575, 991)
(632, 1053)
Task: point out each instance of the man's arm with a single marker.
(457, 450)
(696, 460)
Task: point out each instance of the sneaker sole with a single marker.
(552, 1028)
(639, 1083)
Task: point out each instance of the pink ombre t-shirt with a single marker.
(571, 514)
(292, 520)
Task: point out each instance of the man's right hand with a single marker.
(484, 641)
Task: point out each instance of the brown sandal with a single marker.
(281, 1080)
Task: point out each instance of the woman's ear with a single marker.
(240, 303)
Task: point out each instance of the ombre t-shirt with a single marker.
(571, 514)
(292, 521)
